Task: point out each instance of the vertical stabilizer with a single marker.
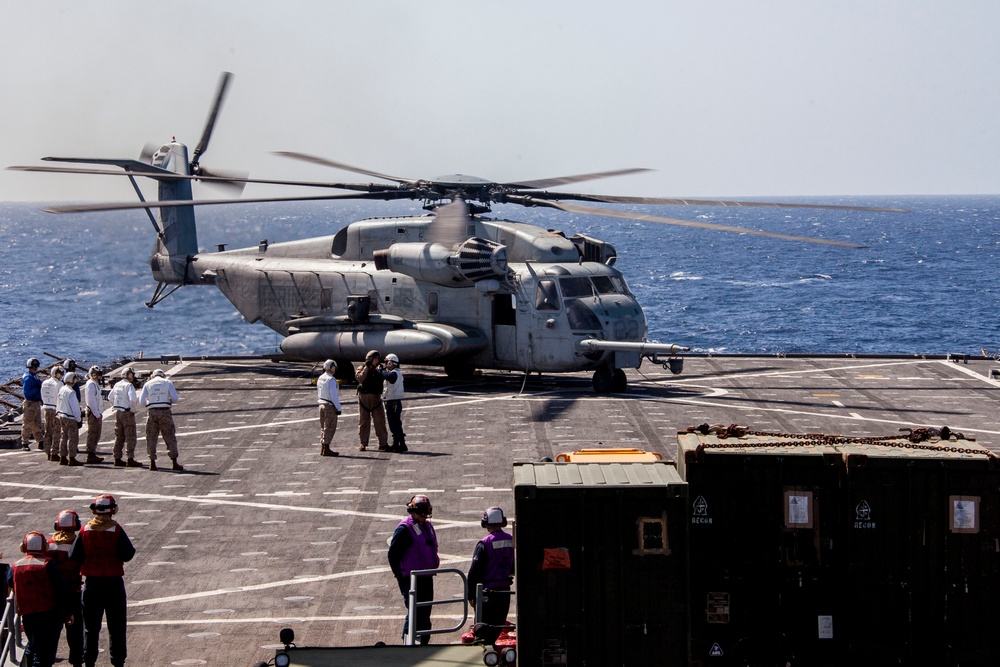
(177, 241)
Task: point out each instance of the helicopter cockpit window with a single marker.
(605, 285)
(546, 296)
(574, 288)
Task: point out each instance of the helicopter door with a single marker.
(505, 327)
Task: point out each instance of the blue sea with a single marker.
(927, 282)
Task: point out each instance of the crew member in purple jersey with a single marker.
(493, 567)
(414, 546)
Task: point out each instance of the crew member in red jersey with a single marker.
(102, 549)
(60, 545)
(41, 596)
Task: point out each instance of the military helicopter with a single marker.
(453, 288)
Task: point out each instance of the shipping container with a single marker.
(923, 571)
(764, 535)
(601, 562)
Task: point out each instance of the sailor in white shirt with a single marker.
(50, 400)
(158, 395)
(125, 402)
(70, 420)
(94, 403)
(328, 396)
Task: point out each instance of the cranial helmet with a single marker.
(95, 370)
(69, 364)
(419, 505)
(493, 517)
(69, 378)
(67, 520)
(329, 365)
(125, 372)
(393, 358)
(34, 543)
(104, 504)
(372, 353)
(32, 363)
(57, 372)
(158, 373)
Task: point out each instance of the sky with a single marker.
(718, 97)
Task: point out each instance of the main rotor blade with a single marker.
(566, 180)
(124, 206)
(629, 215)
(340, 165)
(615, 199)
(220, 94)
(168, 175)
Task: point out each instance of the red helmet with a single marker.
(34, 543)
(67, 520)
(104, 504)
(420, 505)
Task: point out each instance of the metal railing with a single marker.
(411, 628)
(10, 635)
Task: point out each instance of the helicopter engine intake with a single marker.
(466, 264)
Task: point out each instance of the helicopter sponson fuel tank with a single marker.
(339, 338)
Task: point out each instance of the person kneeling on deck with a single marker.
(328, 396)
(125, 402)
(493, 567)
(158, 395)
(414, 546)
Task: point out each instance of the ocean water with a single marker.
(74, 285)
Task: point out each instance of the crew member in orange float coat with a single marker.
(102, 549)
(41, 596)
(60, 545)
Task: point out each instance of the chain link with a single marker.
(915, 439)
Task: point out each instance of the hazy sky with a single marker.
(724, 98)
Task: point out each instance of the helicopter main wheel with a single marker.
(603, 380)
(459, 371)
(619, 383)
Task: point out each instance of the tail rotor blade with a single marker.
(220, 95)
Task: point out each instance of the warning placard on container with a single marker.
(798, 508)
(717, 608)
(963, 514)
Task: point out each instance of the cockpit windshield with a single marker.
(574, 288)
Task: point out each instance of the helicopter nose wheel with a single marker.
(607, 380)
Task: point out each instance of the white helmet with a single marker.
(329, 365)
(125, 372)
(95, 370)
(158, 373)
(393, 358)
(69, 378)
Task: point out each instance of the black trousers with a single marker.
(42, 631)
(496, 604)
(74, 632)
(394, 416)
(104, 596)
(425, 593)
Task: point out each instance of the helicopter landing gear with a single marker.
(459, 371)
(607, 381)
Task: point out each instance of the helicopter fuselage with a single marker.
(524, 304)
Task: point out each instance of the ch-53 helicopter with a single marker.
(451, 288)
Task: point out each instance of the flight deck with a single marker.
(259, 532)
